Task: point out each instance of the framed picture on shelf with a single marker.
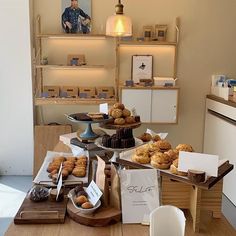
(76, 16)
(142, 66)
(161, 31)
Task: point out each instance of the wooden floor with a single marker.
(208, 227)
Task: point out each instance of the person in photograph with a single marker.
(75, 20)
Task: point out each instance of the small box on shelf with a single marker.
(87, 92)
(51, 91)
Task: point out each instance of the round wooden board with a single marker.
(113, 126)
(102, 217)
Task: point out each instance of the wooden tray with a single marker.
(102, 217)
(46, 212)
(113, 126)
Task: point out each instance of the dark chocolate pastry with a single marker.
(82, 193)
(115, 143)
(78, 188)
(39, 193)
(128, 133)
(137, 118)
(127, 143)
(105, 116)
(120, 133)
(106, 140)
(81, 116)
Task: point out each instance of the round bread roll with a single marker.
(116, 113)
(163, 145)
(172, 153)
(130, 120)
(87, 205)
(184, 147)
(146, 137)
(80, 200)
(126, 112)
(119, 106)
(153, 147)
(174, 168)
(142, 150)
(142, 159)
(160, 160)
(119, 121)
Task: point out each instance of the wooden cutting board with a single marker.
(45, 139)
(46, 212)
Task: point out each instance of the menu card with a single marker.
(139, 194)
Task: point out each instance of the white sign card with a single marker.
(139, 194)
(162, 135)
(199, 161)
(93, 192)
(59, 185)
(103, 108)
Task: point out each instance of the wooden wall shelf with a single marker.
(72, 101)
(85, 67)
(146, 43)
(72, 36)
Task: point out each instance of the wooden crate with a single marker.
(51, 91)
(107, 91)
(71, 91)
(90, 92)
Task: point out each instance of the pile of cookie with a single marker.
(161, 155)
(70, 165)
(122, 115)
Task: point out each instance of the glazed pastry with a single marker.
(52, 166)
(64, 174)
(184, 147)
(87, 205)
(81, 161)
(126, 113)
(68, 163)
(69, 169)
(59, 158)
(142, 159)
(80, 200)
(118, 106)
(52, 173)
(72, 159)
(79, 172)
(116, 113)
(130, 120)
(173, 154)
(163, 145)
(146, 137)
(119, 121)
(174, 168)
(156, 138)
(160, 160)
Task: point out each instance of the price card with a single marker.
(139, 194)
(103, 108)
(93, 192)
(59, 185)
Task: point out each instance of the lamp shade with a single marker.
(118, 25)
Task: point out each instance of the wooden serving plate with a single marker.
(102, 217)
(113, 126)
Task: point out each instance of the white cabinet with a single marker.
(219, 139)
(153, 105)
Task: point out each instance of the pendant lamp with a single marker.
(119, 25)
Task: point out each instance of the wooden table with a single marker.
(181, 194)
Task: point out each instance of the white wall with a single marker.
(16, 109)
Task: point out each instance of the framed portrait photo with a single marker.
(142, 66)
(76, 16)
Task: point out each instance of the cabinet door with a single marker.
(164, 106)
(140, 99)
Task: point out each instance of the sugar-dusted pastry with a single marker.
(130, 120)
(87, 205)
(184, 147)
(126, 113)
(174, 168)
(118, 106)
(116, 113)
(145, 137)
(142, 159)
(119, 121)
(160, 160)
(163, 145)
(172, 153)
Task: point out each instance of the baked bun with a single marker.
(118, 106)
(152, 148)
(119, 121)
(156, 138)
(172, 153)
(145, 137)
(142, 159)
(126, 112)
(160, 160)
(130, 120)
(116, 113)
(184, 147)
(174, 168)
(87, 205)
(163, 145)
(142, 150)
